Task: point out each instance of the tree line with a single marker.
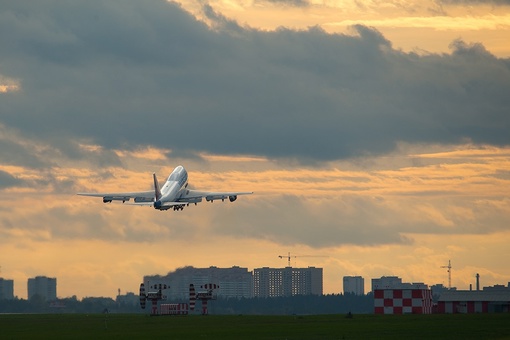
(301, 304)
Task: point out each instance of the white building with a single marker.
(43, 286)
(274, 282)
(394, 282)
(6, 289)
(354, 285)
(233, 282)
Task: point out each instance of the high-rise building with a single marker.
(43, 286)
(354, 285)
(386, 282)
(274, 282)
(394, 282)
(6, 289)
(233, 282)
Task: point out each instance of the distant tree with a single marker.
(301, 304)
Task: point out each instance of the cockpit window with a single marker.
(174, 176)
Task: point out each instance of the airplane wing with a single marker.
(140, 197)
(195, 196)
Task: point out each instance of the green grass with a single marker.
(133, 326)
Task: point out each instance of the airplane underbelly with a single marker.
(171, 194)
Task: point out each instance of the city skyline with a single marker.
(375, 134)
(179, 279)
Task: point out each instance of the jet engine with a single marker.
(109, 199)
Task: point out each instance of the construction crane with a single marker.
(288, 256)
(449, 266)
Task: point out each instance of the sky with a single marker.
(375, 135)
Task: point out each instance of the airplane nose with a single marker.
(157, 204)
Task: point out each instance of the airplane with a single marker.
(174, 194)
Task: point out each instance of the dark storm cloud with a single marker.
(128, 73)
(13, 153)
(7, 180)
(365, 221)
(290, 220)
(285, 219)
(20, 150)
(46, 225)
(99, 157)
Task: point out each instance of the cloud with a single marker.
(361, 220)
(474, 2)
(148, 85)
(7, 180)
(8, 85)
(383, 202)
(442, 22)
(129, 74)
(16, 154)
(290, 3)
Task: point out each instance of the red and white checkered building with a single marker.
(403, 301)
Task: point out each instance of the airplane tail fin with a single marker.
(156, 187)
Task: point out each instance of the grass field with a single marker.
(136, 326)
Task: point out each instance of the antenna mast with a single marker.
(449, 266)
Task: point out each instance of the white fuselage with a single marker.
(174, 187)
